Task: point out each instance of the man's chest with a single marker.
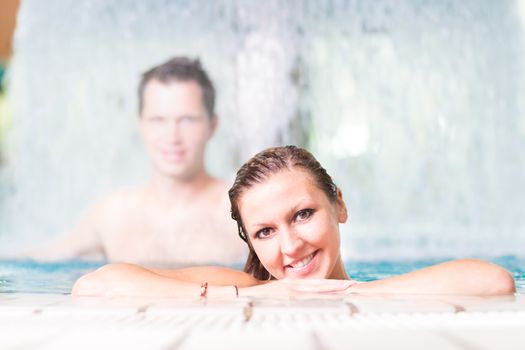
(183, 238)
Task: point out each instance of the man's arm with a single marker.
(82, 242)
(458, 277)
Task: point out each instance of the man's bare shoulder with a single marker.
(219, 203)
(218, 190)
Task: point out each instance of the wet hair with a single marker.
(257, 170)
(180, 69)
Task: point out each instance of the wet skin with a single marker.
(293, 226)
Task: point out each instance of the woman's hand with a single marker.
(298, 288)
(457, 277)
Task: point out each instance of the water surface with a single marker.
(57, 278)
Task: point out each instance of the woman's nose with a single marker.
(290, 241)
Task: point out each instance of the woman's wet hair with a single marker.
(257, 170)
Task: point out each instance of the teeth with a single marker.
(303, 262)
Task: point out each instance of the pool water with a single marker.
(58, 278)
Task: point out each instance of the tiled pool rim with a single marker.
(52, 321)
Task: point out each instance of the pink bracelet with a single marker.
(204, 289)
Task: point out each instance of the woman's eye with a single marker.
(304, 214)
(264, 233)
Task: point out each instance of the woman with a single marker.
(288, 211)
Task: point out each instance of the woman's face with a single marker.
(293, 226)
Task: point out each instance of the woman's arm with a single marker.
(215, 275)
(133, 280)
(458, 277)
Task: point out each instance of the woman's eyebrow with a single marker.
(299, 205)
(259, 225)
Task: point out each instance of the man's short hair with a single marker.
(180, 69)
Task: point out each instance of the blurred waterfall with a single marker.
(417, 108)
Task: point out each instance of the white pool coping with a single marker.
(48, 321)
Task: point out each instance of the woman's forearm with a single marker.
(127, 279)
(459, 277)
(133, 280)
(214, 275)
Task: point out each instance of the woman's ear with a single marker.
(342, 212)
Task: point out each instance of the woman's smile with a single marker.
(303, 267)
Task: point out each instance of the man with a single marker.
(182, 215)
